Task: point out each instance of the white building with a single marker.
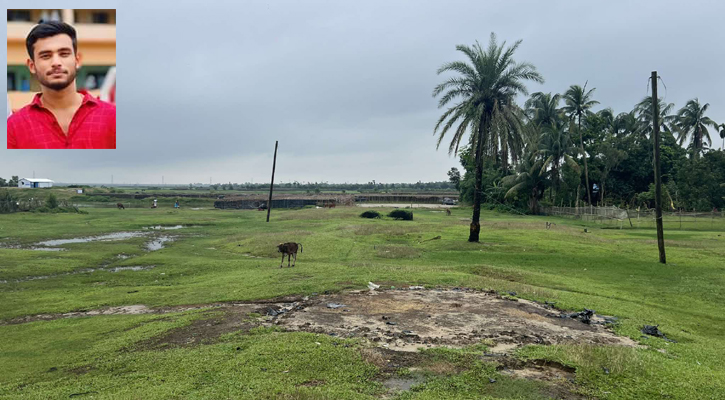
(34, 183)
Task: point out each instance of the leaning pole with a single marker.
(271, 185)
(658, 177)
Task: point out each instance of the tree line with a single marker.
(554, 149)
(12, 182)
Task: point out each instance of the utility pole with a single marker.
(271, 185)
(658, 178)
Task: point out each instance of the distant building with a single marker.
(34, 183)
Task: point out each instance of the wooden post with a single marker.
(658, 178)
(630, 219)
(271, 185)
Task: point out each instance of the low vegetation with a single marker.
(223, 256)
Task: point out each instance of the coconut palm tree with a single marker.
(692, 123)
(554, 148)
(530, 178)
(643, 109)
(509, 135)
(627, 124)
(485, 85)
(578, 103)
(611, 156)
(543, 108)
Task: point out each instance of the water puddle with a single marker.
(107, 237)
(19, 247)
(158, 243)
(164, 228)
(401, 384)
(81, 271)
(134, 268)
(52, 245)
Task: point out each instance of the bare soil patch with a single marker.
(405, 320)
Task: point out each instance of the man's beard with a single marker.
(57, 85)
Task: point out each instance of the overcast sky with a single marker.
(205, 88)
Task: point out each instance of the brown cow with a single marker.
(448, 212)
(120, 206)
(289, 249)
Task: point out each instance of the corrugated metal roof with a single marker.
(38, 180)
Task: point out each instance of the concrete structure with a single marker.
(34, 183)
(96, 31)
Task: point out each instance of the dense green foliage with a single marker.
(370, 214)
(401, 215)
(611, 152)
(8, 202)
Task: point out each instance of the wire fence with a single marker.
(621, 218)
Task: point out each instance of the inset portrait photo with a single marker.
(61, 79)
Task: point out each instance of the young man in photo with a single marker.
(60, 117)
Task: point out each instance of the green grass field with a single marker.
(231, 255)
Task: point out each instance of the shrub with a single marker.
(401, 214)
(370, 214)
(59, 210)
(52, 201)
(8, 202)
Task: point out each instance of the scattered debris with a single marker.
(335, 305)
(583, 316)
(512, 293)
(653, 330)
(373, 286)
(416, 287)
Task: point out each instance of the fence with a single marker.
(615, 217)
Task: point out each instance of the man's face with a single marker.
(55, 62)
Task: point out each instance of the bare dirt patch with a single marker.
(217, 322)
(558, 380)
(401, 319)
(408, 319)
(278, 303)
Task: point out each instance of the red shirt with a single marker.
(93, 126)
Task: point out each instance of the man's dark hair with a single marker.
(47, 29)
